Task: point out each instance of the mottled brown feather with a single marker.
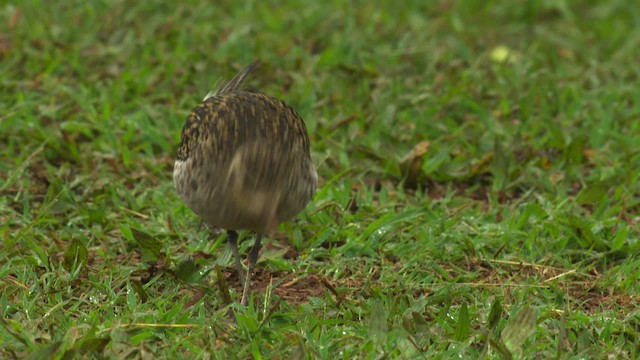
(273, 177)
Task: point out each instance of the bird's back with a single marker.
(244, 160)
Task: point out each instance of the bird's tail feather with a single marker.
(235, 83)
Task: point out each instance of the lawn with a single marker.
(479, 193)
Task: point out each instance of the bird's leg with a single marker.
(253, 258)
(232, 240)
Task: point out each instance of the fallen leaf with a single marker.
(411, 164)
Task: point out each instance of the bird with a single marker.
(244, 164)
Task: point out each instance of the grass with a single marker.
(511, 230)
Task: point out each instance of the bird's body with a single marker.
(242, 154)
(244, 162)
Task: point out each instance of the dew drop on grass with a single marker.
(380, 232)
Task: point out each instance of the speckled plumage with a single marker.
(244, 163)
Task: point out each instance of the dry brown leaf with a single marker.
(411, 164)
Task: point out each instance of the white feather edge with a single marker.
(213, 93)
(209, 94)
